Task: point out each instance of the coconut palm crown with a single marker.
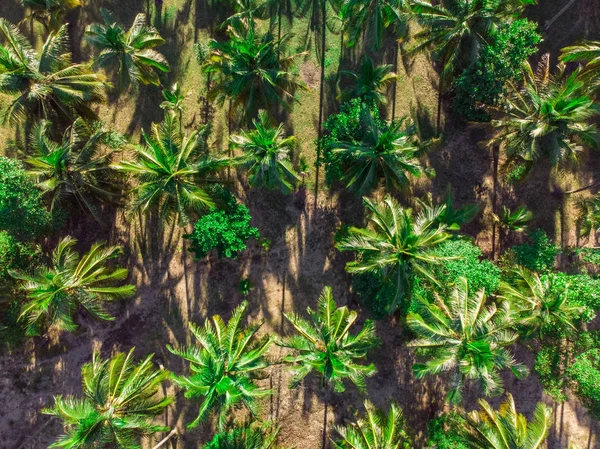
(370, 82)
(50, 13)
(120, 401)
(71, 283)
(324, 344)
(224, 365)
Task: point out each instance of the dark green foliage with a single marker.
(538, 254)
(12, 332)
(14, 255)
(375, 294)
(585, 376)
(583, 290)
(500, 61)
(259, 436)
(226, 230)
(446, 432)
(22, 212)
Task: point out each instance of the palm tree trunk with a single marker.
(495, 230)
(324, 439)
(207, 103)
(395, 81)
(439, 106)
(321, 95)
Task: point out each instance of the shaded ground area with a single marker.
(173, 289)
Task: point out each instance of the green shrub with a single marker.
(22, 211)
(226, 230)
(583, 291)
(446, 432)
(483, 83)
(12, 331)
(14, 255)
(538, 254)
(374, 294)
(585, 377)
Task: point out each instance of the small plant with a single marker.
(538, 254)
(246, 286)
(516, 220)
(265, 244)
(585, 376)
(202, 52)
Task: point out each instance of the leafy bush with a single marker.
(583, 291)
(345, 126)
(12, 331)
(538, 254)
(445, 432)
(22, 211)
(226, 230)
(13, 254)
(585, 376)
(374, 294)
(484, 82)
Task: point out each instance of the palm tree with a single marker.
(507, 429)
(252, 71)
(70, 283)
(375, 430)
(132, 51)
(171, 170)
(47, 85)
(587, 53)
(540, 307)
(74, 167)
(120, 400)
(388, 151)
(324, 344)
(396, 244)
(370, 82)
(50, 13)
(549, 116)
(456, 31)
(267, 155)
(466, 336)
(589, 216)
(247, 436)
(516, 220)
(173, 102)
(370, 18)
(451, 216)
(224, 366)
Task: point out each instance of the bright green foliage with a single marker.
(589, 216)
(70, 283)
(120, 400)
(370, 18)
(46, 85)
(508, 429)
(540, 308)
(324, 344)
(263, 436)
(584, 291)
(131, 51)
(76, 168)
(375, 430)
(466, 336)
(50, 13)
(173, 102)
(22, 211)
(514, 220)
(226, 230)
(172, 170)
(447, 432)
(549, 116)
(585, 377)
(451, 216)
(267, 155)
(370, 82)
(14, 255)
(538, 254)
(396, 245)
(587, 53)
(500, 61)
(224, 366)
(386, 151)
(457, 30)
(253, 71)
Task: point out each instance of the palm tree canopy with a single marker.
(47, 85)
(324, 344)
(466, 336)
(171, 171)
(370, 82)
(51, 13)
(387, 151)
(247, 436)
(224, 366)
(456, 30)
(589, 216)
(540, 307)
(74, 167)
(132, 50)
(587, 53)
(375, 431)
(370, 18)
(69, 283)
(508, 429)
(120, 400)
(549, 116)
(396, 244)
(514, 220)
(253, 71)
(267, 154)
